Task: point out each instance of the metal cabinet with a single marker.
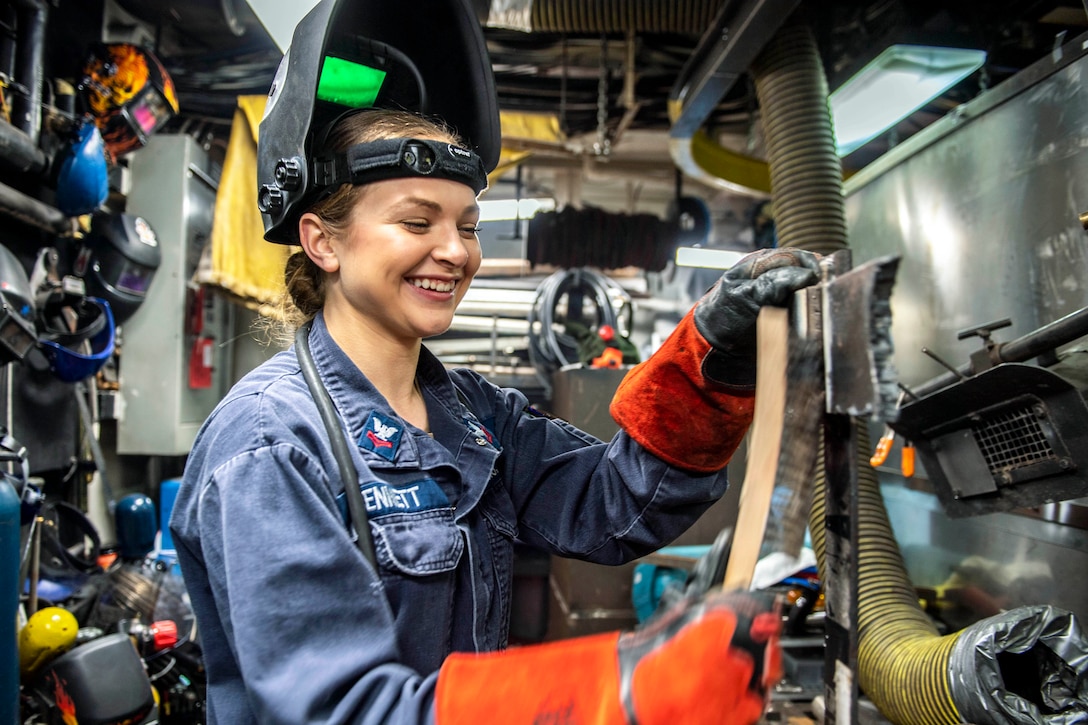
(159, 409)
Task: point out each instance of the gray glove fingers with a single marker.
(759, 262)
(775, 286)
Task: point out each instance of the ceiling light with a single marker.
(493, 210)
(707, 258)
(898, 82)
(279, 17)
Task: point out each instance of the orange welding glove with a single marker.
(709, 660)
(691, 402)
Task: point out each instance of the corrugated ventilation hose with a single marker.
(914, 675)
(689, 17)
(903, 664)
(806, 174)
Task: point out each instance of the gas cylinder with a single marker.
(9, 601)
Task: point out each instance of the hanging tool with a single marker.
(885, 444)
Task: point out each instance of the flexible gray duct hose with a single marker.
(806, 174)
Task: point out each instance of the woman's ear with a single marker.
(316, 241)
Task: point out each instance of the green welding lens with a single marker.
(348, 83)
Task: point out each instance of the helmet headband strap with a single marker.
(398, 159)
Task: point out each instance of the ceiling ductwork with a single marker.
(682, 17)
(725, 53)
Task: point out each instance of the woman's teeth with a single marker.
(434, 284)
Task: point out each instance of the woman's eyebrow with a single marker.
(413, 201)
(417, 201)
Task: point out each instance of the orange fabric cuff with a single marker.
(667, 405)
(575, 680)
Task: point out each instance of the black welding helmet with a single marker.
(117, 261)
(18, 334)
(428, 57)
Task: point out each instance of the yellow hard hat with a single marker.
(49, 632)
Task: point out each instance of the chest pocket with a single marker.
(411, 522)
(418, 544)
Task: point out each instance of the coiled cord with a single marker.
(550, 347)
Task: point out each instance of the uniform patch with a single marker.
(382, 498)
(381, 435)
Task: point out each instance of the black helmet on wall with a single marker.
(18, 333)
(426, 57)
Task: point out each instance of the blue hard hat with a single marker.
(82, 175)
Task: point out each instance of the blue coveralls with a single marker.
(296, 627)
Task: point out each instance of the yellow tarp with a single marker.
(243, 263)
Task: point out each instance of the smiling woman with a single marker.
(370, 498)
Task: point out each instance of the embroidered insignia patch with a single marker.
(381, 435)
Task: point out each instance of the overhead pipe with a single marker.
(686, 17)
(19, 153)
(28, 210)
(29, 72)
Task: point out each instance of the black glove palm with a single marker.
(726, 315)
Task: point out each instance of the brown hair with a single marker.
(305, 280)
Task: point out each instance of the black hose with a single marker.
(32, 18)
(338, 440)
(550, 349)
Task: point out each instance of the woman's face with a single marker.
(407, 257)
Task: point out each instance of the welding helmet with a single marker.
(128, 93)
(78, 351)
(117, 261)
(370, 54)
(17, 332)
(82, 172)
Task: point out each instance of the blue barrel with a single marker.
(9, 602)
(137, 525)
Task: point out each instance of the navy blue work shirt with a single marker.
(296, 626)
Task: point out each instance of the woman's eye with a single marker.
(470, 229)
(415, 225)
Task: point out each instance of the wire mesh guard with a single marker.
(1014, 436)
(1013, 439)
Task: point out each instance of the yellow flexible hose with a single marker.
(903, 663)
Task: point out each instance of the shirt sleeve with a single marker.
(308, 648)
(576, 496)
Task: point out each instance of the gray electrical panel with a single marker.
(172, 368)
